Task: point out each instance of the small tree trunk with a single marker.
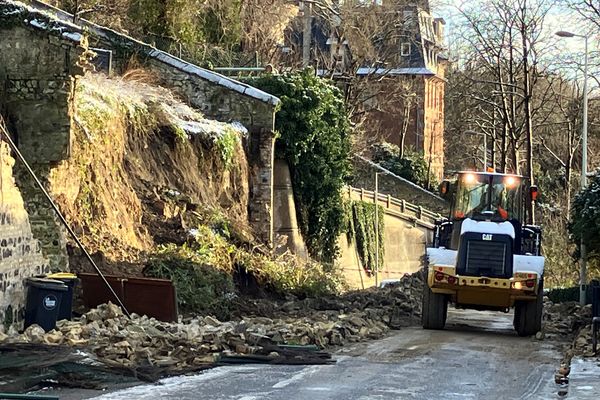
(404, 129)
(504, 150)
(514, 154)
(527, 106)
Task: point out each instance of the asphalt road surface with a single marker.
(478, 356)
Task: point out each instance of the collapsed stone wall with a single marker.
(217, 96)
(20, 254)
(221, 103)
(42, 54)
(140, 159)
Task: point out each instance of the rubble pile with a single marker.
(582, 345)
(564, 320)
(398, 304)
(143, 344)
(569, 322)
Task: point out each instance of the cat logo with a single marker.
(486, 236)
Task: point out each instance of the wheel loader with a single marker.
(484, 256)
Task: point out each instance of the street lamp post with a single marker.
(376, 199)
(484, 146)
(584, 162)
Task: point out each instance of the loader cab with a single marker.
(491, 197)
(488, 197)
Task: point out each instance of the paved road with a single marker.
(478, 356)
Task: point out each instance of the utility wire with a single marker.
(13, 146)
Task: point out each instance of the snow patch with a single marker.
(74, 36)
(394, 71)
(38, 24)
(238, 126)
(173, 387)
(528, 264)
(494, 228)
(441, 256)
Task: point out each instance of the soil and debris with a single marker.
(104, 340)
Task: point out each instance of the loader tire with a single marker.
(528, 314)
(435, 309)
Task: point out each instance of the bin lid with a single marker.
(50, 284)
(61, 275)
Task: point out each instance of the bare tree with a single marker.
(503, 44)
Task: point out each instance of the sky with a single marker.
(568, 50)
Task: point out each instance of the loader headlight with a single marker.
(518, 285)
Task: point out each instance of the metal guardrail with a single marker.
(393, 205)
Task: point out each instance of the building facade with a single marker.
(401, 83)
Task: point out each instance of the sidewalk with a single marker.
(584, 379)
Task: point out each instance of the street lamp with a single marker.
(484, 146)
(584, 151)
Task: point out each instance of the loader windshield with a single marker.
(489, 196)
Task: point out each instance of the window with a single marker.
(405, 49)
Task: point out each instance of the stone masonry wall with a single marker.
(35, 87)
(20, 253)
(37, 81)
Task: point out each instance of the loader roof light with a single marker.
(469, 179)
(510, 182)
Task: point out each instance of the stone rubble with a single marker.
(142, 343)
(569, 322)
(563, 320)
(582, 345)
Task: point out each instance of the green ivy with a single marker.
(315, 140)
(361, 230)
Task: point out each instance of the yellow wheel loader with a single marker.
(483, 256)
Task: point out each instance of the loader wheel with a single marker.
(528, 314)
(435, 309)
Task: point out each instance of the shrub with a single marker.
(585, 218)
(201, 288)
(288, 274)
(412, 166)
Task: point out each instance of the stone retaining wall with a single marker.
(37, 82)
(20, 254)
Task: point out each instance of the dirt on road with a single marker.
(478, 356)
